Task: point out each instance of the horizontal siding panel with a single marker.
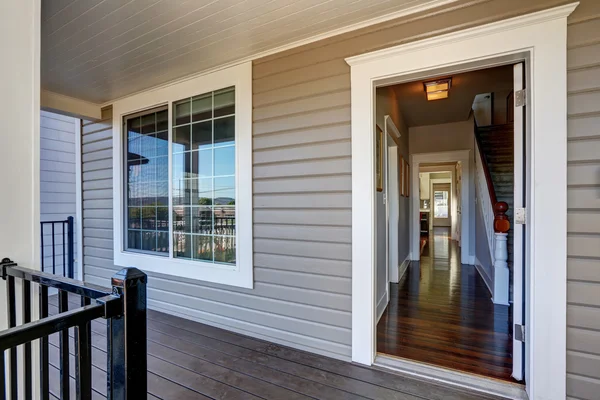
(583, 245)
(103, 125)
(298, 185)
(582, 57)
(304, 105)
(88, 250)
(583, 198)
(333, 251)
(295, 169)
(582, 103)
(97, 194)
(306, 265)
(583, 269)
(299, 75)
(583, 293)
(98, 233)
(97, 204)
(99, 243)
(581, 222)
(97, 165)
(315, 135)
(303, 121)
(584, 150)
(583, 127)
(583, 33)
(583, 340)
(582, 387)
(56, 145)
(96, 136)
(96, 146)
(310, 233)
(583, 317)
(584, 174)
(98, 214)
(57, 124)
(326, 150)
(58, 166)
(53, 176)
(301, 90)
(60, 156)
(52, 197)
(100, 262)
(583, 364)
(98, 223)
(98, 184)
(331, 284)
(584, 79)
(99, 174)
(58, 208)
(301, 217)
(61, 136)
(321, 200)
(96, 155)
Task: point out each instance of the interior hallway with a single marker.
(441, 313)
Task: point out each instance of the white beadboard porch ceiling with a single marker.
(100, 50)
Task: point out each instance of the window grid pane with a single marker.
(203, 165)
(147, 183)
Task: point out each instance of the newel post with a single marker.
(127, 352)
(501, 272)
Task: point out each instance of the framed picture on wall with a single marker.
(401, 176)
(379, 159)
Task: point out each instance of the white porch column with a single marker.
(20, 143)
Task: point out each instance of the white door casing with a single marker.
(539, 38)
(519, 115)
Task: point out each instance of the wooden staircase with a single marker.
(496, 143)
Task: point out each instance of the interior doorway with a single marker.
(445, 309)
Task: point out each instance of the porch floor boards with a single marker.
(441, 313)
(190, 360)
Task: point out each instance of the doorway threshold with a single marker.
(451, 377)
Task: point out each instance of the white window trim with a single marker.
(241, 274)
(543, 37)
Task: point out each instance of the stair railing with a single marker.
(496, 224)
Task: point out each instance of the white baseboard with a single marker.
(381, 305)
(487, 279)
(403, 267)
(452, 377)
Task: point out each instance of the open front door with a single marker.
(518, 227)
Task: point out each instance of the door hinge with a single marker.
(519, 333)
(520, 215)
(520, 98)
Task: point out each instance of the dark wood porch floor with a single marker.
(189, 360)
(441, 313)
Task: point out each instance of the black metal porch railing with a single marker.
(63, 248)
(124, 308)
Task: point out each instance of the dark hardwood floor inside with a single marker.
(441, 313)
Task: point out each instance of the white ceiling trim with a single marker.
(335, 32)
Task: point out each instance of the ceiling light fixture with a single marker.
(437, 90)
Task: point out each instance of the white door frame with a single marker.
(393, 197)
(467, 251)
(541, 40)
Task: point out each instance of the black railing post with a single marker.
(71, 249)
(127, 347)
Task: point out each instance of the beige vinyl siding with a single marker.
(302, 193)
(583, 223)
(57, 182)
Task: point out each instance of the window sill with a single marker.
(232, 275)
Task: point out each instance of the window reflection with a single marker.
(203, 172)
(147, 182)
